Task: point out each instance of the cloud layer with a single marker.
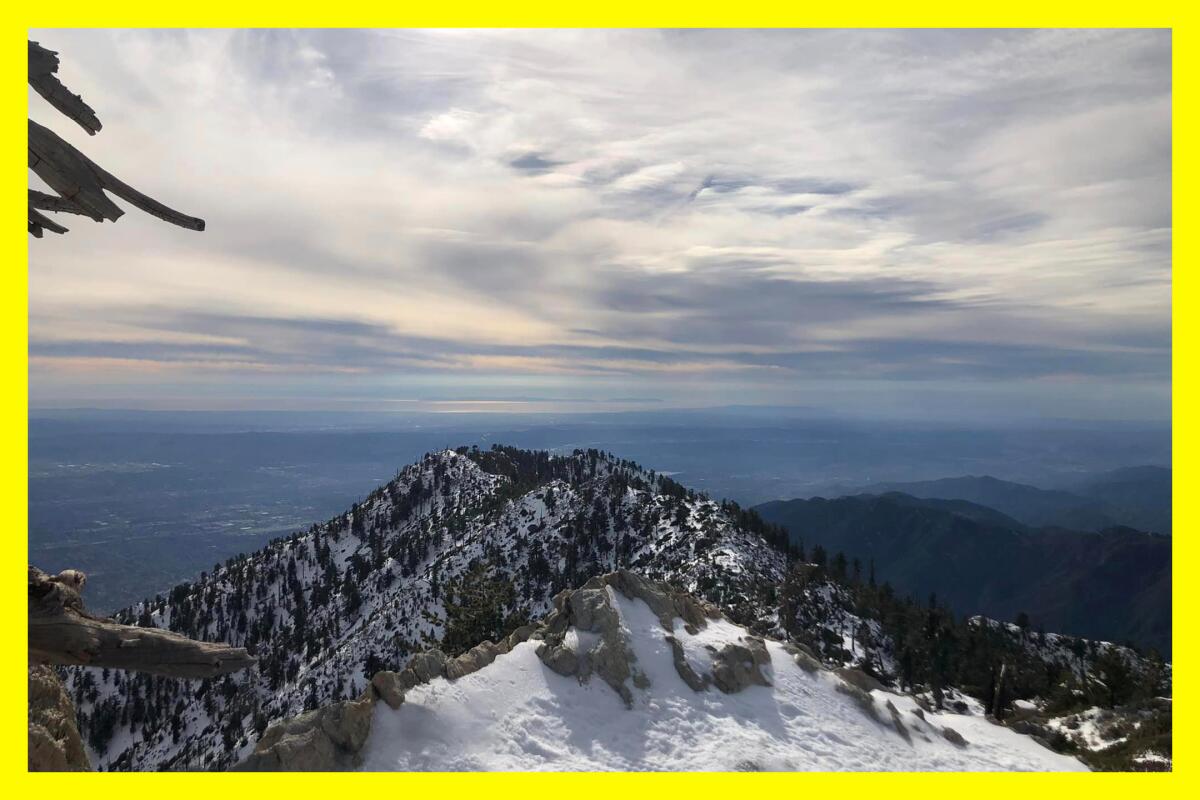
(693, 216)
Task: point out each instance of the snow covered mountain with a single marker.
(325, 609)
(467, 546)
(629, 674)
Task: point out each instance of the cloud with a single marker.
(627, 210)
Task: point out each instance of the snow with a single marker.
(516, 714)
(1092, 728)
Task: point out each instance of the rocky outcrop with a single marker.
(590, 610)
(54, 741)
(325, 740)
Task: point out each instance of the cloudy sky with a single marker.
(886, 222)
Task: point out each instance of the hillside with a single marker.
(1114, 585)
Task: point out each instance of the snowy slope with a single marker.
(518, 714)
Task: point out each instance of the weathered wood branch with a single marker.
(80, 180)
(43, 64)
(61, 631)
(39, 222)
(52, 202)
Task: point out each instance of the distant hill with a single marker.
(1114, 584)
(1137, 497)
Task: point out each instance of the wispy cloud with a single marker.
(627, 213)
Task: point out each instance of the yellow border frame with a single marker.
(615, 13)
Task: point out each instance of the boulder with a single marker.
(473, 660)
(737, 666)
(559, 658)
(954, 737)
(390, 687)
(521, 634)
(427, 665)
(858, 678)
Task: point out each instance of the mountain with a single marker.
(629, 674)
(1113, 585)
(1138, 497)
(326, 608)
(462, 549)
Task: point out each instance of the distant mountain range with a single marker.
(1113, 584)
(1136, 497)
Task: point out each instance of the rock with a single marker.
(954, 737)
(389, 686)
(328, 739)
(856, 677)
(736, 666)
(919, 714)
(860, 697)
(559, 658)
(473, 660)
(610, 660)
(666, 603)
(696, 682)
(897, 722)
(591, 610)
(427, 665)
(555, 623)
(792, 648)
(521, 634)
(806, 662)
(54, 741)
(758, 649)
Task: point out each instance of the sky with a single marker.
(966, 224)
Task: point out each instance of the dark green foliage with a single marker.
(479, 607)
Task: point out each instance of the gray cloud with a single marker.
(630, 211)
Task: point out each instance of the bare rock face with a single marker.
(54, 741)
(328, 739)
